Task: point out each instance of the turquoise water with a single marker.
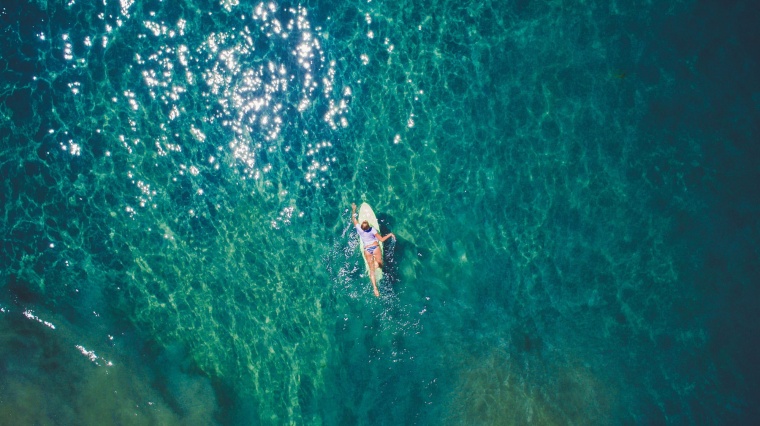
(572, 184)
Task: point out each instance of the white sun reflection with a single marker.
(256, 97)
(258, 94)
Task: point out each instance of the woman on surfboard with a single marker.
(371, 239)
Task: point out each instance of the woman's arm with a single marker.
(382, 239)
(353, 214)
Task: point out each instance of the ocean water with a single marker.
(573, 185)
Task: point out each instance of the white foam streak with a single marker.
(30, 314)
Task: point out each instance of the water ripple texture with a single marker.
(572, 187)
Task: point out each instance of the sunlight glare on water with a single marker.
(176, 189)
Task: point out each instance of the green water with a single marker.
(177, 182)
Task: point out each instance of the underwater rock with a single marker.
(496, 390)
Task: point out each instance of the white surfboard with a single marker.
(366, 213)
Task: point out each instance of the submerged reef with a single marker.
(496, 390)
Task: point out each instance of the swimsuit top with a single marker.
(368, 237)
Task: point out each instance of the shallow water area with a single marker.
(569, 184)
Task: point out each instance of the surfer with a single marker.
(371, 239)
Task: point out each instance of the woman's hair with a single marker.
(365, 225)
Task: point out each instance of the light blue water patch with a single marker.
(567, 182)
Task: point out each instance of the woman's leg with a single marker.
(371, 263)
(378, 257)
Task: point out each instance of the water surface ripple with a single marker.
(570, 185)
